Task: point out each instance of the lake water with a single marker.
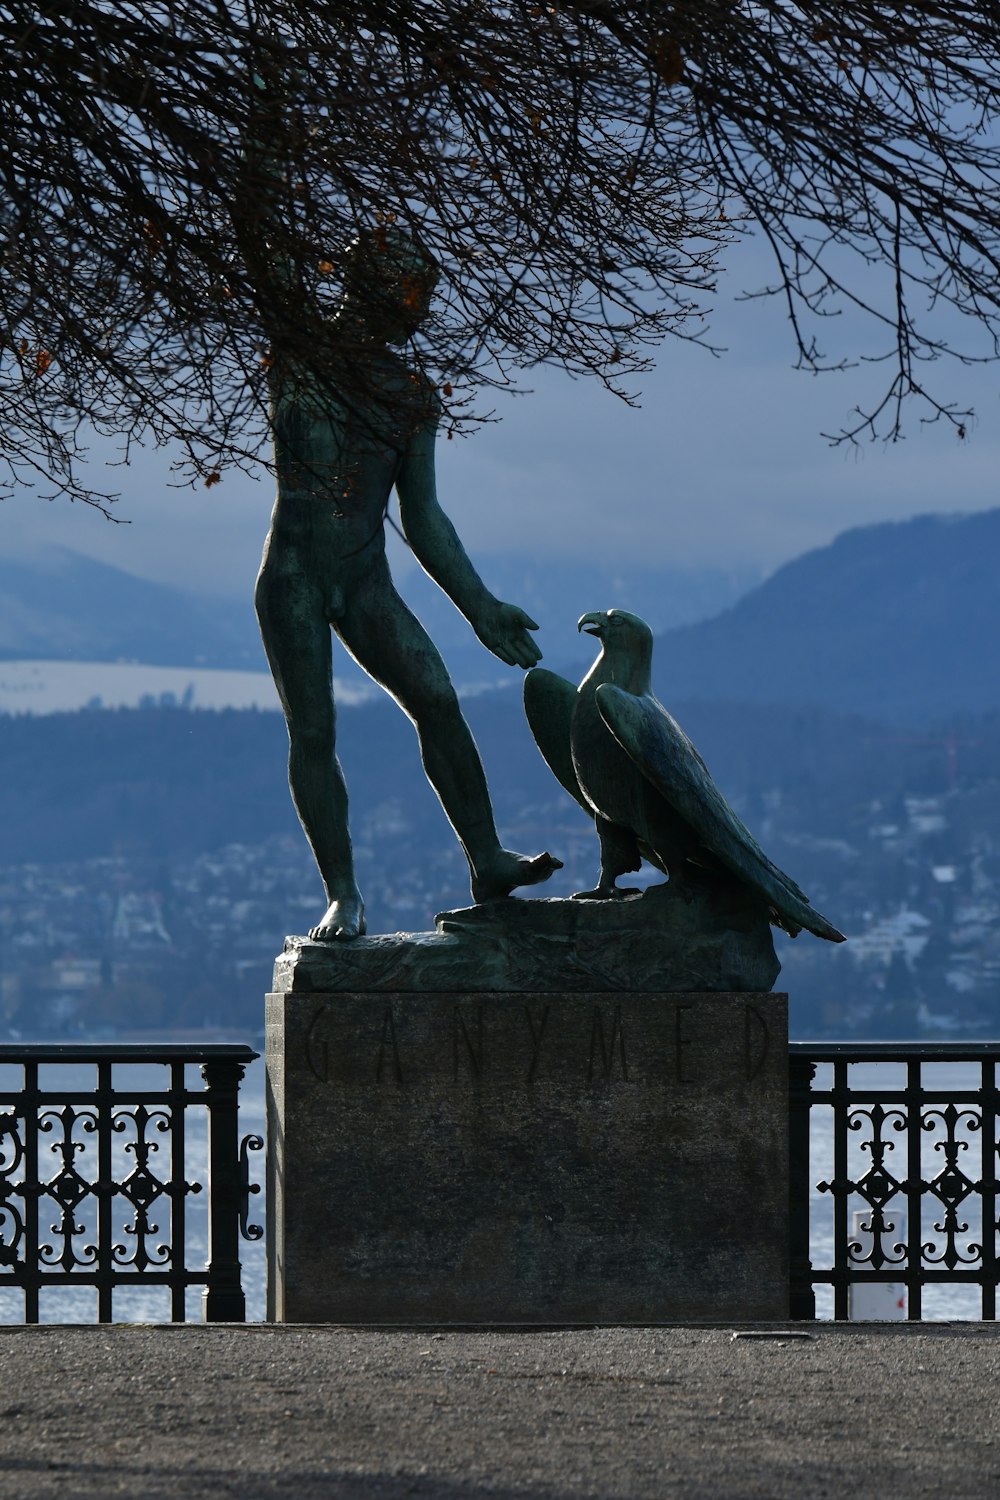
(145, 1303)
(152, 1304)
(940, 1301)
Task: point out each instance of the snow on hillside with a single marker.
(48, 687)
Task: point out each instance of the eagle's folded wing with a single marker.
(668, 760)
(548, 704)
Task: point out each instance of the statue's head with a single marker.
(618, 630)
(626, 647)
(389, 279)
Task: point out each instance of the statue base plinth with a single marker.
(539, 1157)
(682, 936)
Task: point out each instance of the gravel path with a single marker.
(262, 1412)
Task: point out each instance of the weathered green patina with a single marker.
(689, 934)
(629, 764)
(338, 459)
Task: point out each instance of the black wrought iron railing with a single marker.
(114, 1181)
(894, 1173)
(99, 1169)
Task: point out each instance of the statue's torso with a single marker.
(335, 471)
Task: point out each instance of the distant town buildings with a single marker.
(118, 947)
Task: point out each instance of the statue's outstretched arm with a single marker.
(502, 628)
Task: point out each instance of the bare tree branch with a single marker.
(181, 183)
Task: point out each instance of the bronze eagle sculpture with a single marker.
(628, 763)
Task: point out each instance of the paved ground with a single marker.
(264, 1412)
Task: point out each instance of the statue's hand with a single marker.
(503, 629)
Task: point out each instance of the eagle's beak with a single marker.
(593, 624)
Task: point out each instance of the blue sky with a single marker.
(723, 464)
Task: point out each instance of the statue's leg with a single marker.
(296, 638)
(394, 648)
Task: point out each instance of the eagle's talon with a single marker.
(606, 893)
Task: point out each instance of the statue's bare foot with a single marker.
(344, 920)
(610, 892)
(507, 870)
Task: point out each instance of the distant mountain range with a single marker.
(61, 606)
(900, 621)
(556, 593)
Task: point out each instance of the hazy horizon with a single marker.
(723, 466)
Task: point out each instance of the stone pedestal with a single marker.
(539, 1156)
(684, 936)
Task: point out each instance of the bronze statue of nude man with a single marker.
(324, 567)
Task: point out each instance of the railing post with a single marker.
(990, 1115)
(223, 1300)
(801, 1297)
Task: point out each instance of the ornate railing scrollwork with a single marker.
(92, 1179)
(951, 1187)
(931, 1151)
(247, 1230)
